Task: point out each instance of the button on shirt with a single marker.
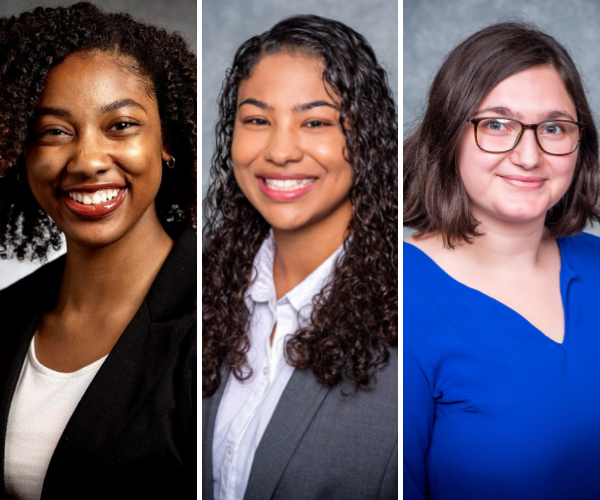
(247, 406)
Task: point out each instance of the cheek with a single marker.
(242, 177)
(564, 171)
(41, 169)
(245, 147)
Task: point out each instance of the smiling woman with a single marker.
(300, 284)
(501, 339)
(98, 349)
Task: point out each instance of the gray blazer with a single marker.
(320, 444)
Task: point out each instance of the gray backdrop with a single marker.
(174, 15)
(433, 27)
(226, 24)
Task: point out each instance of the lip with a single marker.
(98, 211)
(524, 181)
(277, 195)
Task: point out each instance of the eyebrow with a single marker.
(254, 102)
(509, 113)
(298, 108)
(108, 108)
(122, 103)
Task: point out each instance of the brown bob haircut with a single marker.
(435, 199)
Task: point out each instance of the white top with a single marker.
(43, 403)
(247, 406)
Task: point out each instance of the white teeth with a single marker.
(95, 198)
(288, 184)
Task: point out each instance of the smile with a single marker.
(286, 189)
(94, 204)
(524, 182)
(95, 198)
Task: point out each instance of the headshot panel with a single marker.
(501, 258)
(98, 158)
(300, 256)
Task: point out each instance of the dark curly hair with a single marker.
(354, 320)
(435, 199)
(31, 44)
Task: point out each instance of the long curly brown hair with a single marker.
(31, 44)
(354, 319)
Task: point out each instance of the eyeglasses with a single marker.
(501, 135)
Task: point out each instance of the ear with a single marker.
(166, 152)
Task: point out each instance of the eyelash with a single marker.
(253, 121)
(128, 124)
(310, 124)
(316, 124)
(121, 125)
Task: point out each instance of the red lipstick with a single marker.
(97, 211)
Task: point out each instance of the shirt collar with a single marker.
(263, 288)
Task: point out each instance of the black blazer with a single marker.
(133, 434)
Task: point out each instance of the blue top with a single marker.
(493, 408)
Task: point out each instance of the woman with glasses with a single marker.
(501, 342)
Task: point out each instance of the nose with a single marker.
(89, 157)
(283, 147)
(527, 154)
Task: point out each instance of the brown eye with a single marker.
(123, 125)
(51, 132)
(257, 121)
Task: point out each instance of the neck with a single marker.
(301, 251)
(115, 275)
(507, 243)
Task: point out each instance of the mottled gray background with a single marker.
(433, 27)
(226, 24)
(173, 15)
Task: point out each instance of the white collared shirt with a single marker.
(247, 406)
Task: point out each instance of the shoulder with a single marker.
(174, 291)
(581, 243)
(581, 253)
(37, 287)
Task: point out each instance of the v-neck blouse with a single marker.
(493, 408)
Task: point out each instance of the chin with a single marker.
(522, 213)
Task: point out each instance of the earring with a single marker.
(171, 163)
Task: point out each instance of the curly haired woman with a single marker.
(299, 290)
(98, 348)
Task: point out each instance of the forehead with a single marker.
(96, 76)
(534, 91)
(285, 77)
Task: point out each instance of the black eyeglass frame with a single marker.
(525, 126)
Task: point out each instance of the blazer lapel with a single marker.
(210, 407)
(113, 399)
(132, 370)
(296, 409)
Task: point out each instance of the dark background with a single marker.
(226, 24)
(173, 15)
(434, 27)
